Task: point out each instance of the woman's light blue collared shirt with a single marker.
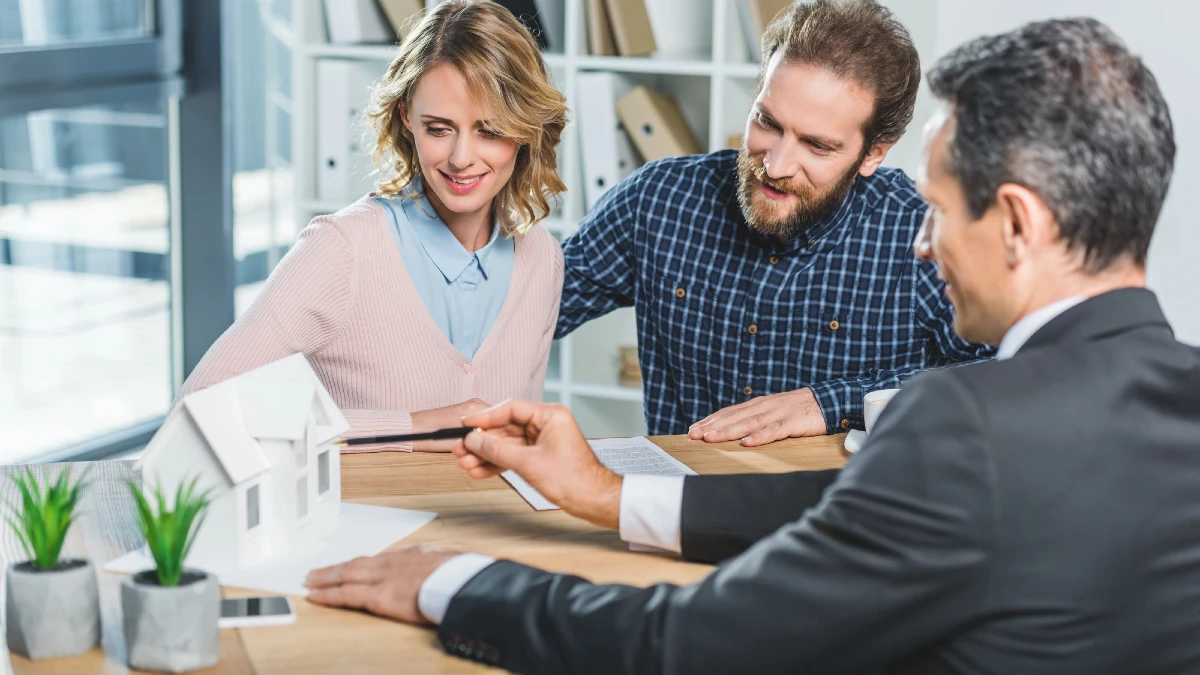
(463, 291)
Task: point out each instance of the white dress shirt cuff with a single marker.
(447, 580)
(651, 508)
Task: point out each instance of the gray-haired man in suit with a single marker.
(1035, 514)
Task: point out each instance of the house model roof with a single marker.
(281, 394)
(219, 416)
(271, 402)
(276, 408)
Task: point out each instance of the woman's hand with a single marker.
(443, 418)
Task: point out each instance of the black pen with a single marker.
(440, 434)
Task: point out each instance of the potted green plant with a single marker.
(51, 608)
(171, 611)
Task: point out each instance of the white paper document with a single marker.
(624, 456)
(363, 531)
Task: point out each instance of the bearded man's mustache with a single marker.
(759, 171)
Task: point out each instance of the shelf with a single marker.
(614, 392)
(360, 52)
(657, 66)
(647, 65)
(383, 52)
(746, 70)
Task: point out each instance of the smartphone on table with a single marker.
(273, 610)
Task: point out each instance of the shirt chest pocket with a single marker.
(686, 311)
(849, 341)
(836, 342)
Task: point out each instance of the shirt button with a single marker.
(468, 369)
(845, 424)
(812, 242)
(833, 325)
(774, 260)
(747, 391)
(752, 329)
(679, 292)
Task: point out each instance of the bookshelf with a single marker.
(715, 90)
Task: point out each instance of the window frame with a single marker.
(38, 77)
(200, 175)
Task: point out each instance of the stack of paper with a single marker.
(624, 456)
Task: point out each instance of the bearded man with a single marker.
(775, 285)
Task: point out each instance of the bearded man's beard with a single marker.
(762, 214)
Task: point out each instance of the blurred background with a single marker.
(158, 157)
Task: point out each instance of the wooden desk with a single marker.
(484, 516)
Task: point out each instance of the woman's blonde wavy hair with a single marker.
(500, 61)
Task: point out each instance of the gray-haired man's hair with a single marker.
(1063, 108)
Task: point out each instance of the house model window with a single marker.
(302, 497)
(252, 508)
(323, 473)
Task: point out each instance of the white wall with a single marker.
(1160, 31)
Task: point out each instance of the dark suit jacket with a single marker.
(1034, 515)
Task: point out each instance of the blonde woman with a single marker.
(438, 294)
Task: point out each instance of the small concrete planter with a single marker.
(52, 613)
(171, 628)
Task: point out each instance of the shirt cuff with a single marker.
(365, 423)
(447, 580)
(651, 508)
(841, 404)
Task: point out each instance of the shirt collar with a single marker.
(443, 248)
(1019, 334)
(835, 220)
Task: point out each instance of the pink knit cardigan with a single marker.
(342, 296)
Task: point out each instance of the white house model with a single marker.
(262, 443)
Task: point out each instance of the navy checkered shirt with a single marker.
(725, 314)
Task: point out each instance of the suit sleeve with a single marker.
(894, 557)
(722, 516)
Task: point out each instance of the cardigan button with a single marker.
(468, 369)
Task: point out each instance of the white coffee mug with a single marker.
(874, 403)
